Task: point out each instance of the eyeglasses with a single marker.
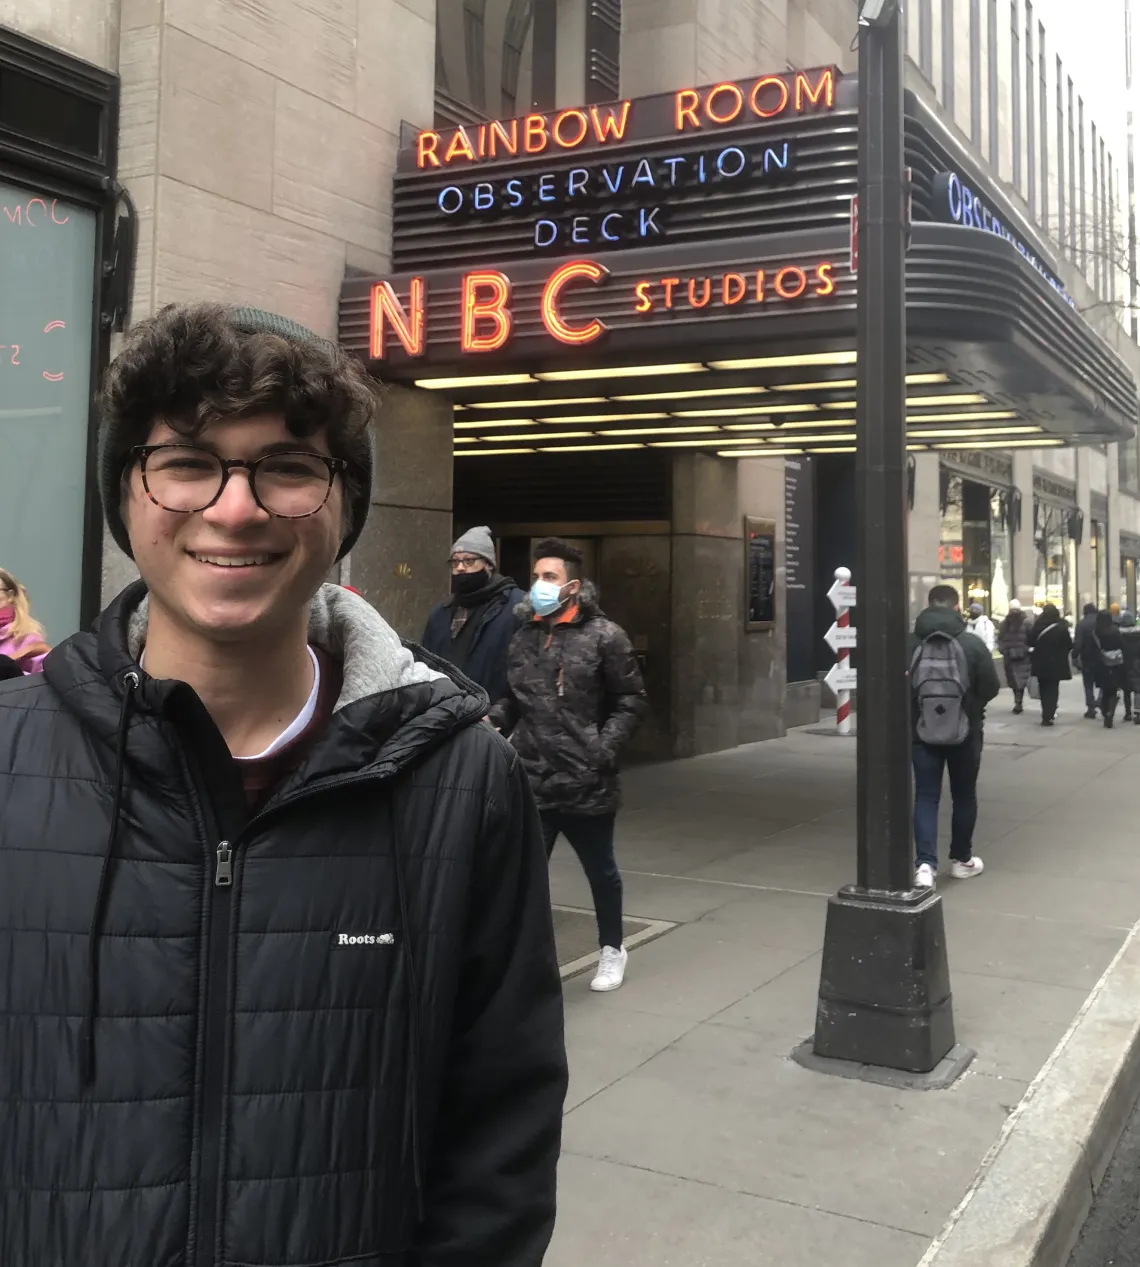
(467, 563)
(183, 478)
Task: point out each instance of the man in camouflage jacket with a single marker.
(574, 698)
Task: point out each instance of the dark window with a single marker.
(1060, 155)
(1030, 113)
(44, 111)
(497, 62)
(948, 58)
(1043, 126)
(1015, 92)
(1083, 257)
(992, 84)
(926, 39)
(975, 70)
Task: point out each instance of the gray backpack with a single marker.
(939, 679)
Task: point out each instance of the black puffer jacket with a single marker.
(574, 697)
(366, 1022)
(1051, 645)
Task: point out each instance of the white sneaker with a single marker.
(611, 968)
(924, 877)
(966, 870)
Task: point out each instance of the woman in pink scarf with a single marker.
(21, 638)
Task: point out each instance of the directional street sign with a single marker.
(836, 637)
(841, 679)
(841, 595)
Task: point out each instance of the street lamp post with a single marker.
(884, 996)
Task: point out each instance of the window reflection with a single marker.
(485, 58)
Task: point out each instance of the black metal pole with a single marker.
(884, 991)
(884, 830)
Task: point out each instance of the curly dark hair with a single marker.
(556, 548)
(192, 364)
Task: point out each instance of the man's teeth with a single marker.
(252, 560)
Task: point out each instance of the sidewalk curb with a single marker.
(1033, 1191)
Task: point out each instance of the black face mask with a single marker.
(467, 583)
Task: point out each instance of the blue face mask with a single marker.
(545, 597)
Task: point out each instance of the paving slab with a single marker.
(641, 1218)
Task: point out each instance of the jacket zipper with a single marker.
(214, 1054)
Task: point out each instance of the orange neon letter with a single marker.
(668, 283)
(509, 140)
(536, 136)
(826, 283)
(769, 81)
(800, 283)
(760, 296)
(387, 308)
(735, 96)
(583, 127)
(825, 89)
(460, 146)
(735, 293)
(492, 308)
(576, 270)
(706, 293)
(687, 101)
(426, 144)
(644, 301)
(610, 126)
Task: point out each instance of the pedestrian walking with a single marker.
(22, 638)
(277, 971)
(574, 698)
(1105, 648)
(981, 626)
(952, 678)
(474, 627)
(1013, 643)
(1081, 636)
(1050, 645)
(1130, 641)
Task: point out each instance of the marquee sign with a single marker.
(487, 300)
(634, 173)
(954, 202)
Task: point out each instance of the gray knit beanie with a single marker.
(136, 371)
(476, 541)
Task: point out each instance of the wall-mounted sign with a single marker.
(954, 202)
(760, 572)
(486, 314)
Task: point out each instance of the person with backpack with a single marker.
(1050, 646)
(1104, 648)
(1013, 643)
(952, 678)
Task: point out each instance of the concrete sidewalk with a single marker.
(691, 1139)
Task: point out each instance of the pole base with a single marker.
(884, 989)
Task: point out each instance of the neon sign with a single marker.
(487, 319)
(568, 131)
(954, 202)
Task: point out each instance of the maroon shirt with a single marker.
(260, 778)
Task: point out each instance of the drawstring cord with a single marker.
(414, 1013)
(87, 1034)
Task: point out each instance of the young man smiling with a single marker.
(277, 977)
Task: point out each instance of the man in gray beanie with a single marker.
(276, 955)
(473, 628)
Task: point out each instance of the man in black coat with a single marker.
(474, 627)
(574, 698)
(1082, 643)
(277, 973)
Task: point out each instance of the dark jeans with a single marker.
(1089, 679)
(1050, 694)
(591, 836)
(963, 762)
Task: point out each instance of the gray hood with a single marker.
(352, 631)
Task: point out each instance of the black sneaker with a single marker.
(1090, 715)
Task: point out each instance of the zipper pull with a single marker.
(224, 876)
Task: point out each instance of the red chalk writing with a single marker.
(34, 214)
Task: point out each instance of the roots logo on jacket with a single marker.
(365, 939)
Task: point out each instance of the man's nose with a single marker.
(236, 507)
